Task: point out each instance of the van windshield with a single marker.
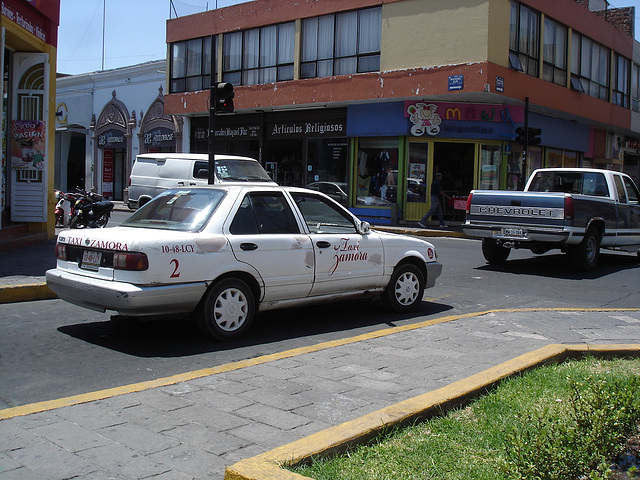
(233, 170)
(182, 210)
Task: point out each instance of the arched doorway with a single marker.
(112, 146)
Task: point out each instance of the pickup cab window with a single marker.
(622, 196)
(582, 183)
(632, 192)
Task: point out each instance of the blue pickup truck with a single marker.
(576, 210)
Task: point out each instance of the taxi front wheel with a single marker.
(227, 311)
(405, 289)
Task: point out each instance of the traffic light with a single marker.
(533, 136)
(528, 136)
(224, 94)
(521, 137)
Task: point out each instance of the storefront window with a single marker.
(514, 167)
(377, 172)
(490, 167)
(327, 167)
(554, 158)
(283, 160)
(417, 177)
(534, 160)
(570, 159)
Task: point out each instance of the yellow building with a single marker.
(29, 31)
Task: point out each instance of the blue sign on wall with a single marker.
(456, 82)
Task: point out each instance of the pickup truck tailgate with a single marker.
(517, 208)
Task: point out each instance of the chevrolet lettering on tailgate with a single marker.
(526, 212)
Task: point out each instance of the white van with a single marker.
(153, 173)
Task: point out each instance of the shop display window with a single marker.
(327, 167)
(417, 176)
(377, 172)
(490, 156)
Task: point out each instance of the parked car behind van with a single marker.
(153, 173)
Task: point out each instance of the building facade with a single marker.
(372, 97)
(104, 120)
(29, 39)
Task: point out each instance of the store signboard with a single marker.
(112, 139)
(303, 129)
(435, 119)
(159, 137)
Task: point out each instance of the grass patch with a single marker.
(565, 421)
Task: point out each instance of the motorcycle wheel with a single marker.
(102, 221)
(77, 222)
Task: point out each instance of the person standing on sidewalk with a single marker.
(436, 192)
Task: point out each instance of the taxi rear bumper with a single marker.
(125, 298)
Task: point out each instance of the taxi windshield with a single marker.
(182, 210)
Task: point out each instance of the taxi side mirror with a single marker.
(363, 228)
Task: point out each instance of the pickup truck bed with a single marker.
(575, 210)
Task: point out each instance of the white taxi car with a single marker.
(224, 252)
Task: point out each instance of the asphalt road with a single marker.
(50, 349)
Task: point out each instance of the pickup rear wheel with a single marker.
(227, 310)
(494, 253)
(405, 289)
(585, 255)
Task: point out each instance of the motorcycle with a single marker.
(64, 207)
(90, 210)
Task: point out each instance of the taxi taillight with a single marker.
(61, 251)
(130, 261)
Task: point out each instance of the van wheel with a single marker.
(585, 256)
(493, 253)
(405, 289)
(227, 310)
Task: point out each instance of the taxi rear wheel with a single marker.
(227, 310)
(405, 289)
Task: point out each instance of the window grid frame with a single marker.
(335, 58)
(233, 74)
(208, 65)
(529, 60)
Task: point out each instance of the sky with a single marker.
(135, 30)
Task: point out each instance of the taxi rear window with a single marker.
(181, 210)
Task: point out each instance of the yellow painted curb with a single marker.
(187, 376)
(338, 439)
(25, 293)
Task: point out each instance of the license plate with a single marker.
(513, 232)
(91, 260)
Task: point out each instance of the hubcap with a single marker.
(590, 249)
(407, 288)
(230, 309)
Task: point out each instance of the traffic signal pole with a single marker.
(212, 134)
(220, 101)
(523, 171)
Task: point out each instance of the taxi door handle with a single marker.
(248, 246)
(323, 244)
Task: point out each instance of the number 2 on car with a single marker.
(176, 265)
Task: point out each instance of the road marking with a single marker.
(187, 376)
